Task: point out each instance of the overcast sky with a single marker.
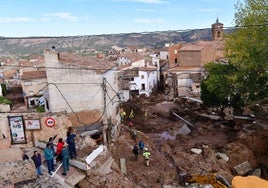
(23, 18)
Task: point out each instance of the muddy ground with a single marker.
(241, 140)
(171, 156)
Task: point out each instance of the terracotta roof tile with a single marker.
(86, 61)
(31, 75)
(132, 56)
(148, 69)
(186, 69)
(195, 46)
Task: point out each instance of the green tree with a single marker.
(247, 49)
(216, 89)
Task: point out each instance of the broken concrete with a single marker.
(243, 168)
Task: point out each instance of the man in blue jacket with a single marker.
(71, 143)
(49, 156)
(37, 162)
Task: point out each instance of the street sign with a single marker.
(50, 122)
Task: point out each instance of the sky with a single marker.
(29, 18)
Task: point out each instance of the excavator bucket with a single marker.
(249, 182)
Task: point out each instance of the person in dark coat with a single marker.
(136, 151)
(37, 162)
(65, 160)
(71, 143)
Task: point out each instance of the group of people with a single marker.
(64, 151)
(141, 149)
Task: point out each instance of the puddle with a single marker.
(165, 135)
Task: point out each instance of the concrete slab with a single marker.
(242, 168)
(74, 178)
(184, 130)
(94, 154)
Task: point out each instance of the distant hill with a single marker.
(16, 47)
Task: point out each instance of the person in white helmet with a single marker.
(146, 155)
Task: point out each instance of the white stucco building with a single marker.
(136, 77)
(77, 83)
(145, 82)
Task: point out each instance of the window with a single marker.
(142, 76)
(219, 34)
(142, 86)
(176, 60)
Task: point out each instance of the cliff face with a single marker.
(15, 47)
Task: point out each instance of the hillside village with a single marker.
(58, 90)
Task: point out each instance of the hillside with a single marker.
(16, 47)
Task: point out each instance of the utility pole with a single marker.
(105, 121)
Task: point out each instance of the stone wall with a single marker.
(4, 108)
(60, 128)
(10, 155)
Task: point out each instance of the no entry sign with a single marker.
(50, 122)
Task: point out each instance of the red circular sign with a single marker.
(50, 122)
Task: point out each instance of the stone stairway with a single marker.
(73, 176)
(97, 162)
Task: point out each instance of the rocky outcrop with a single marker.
(17, 171)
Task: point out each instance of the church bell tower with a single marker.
(217, 30)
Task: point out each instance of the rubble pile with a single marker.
(183, 140)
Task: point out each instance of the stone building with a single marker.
(187, 60)
(77, 84)
(136, 77)
(33, 85)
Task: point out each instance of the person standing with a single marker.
(37, 162)
(59, 149)
(141, 146)
(65, 160)
(146, 156)
(49, 158)
(136, 151)
(71, 143)
(134, 133)
(51, 145)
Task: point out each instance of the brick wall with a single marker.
(173, 55)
